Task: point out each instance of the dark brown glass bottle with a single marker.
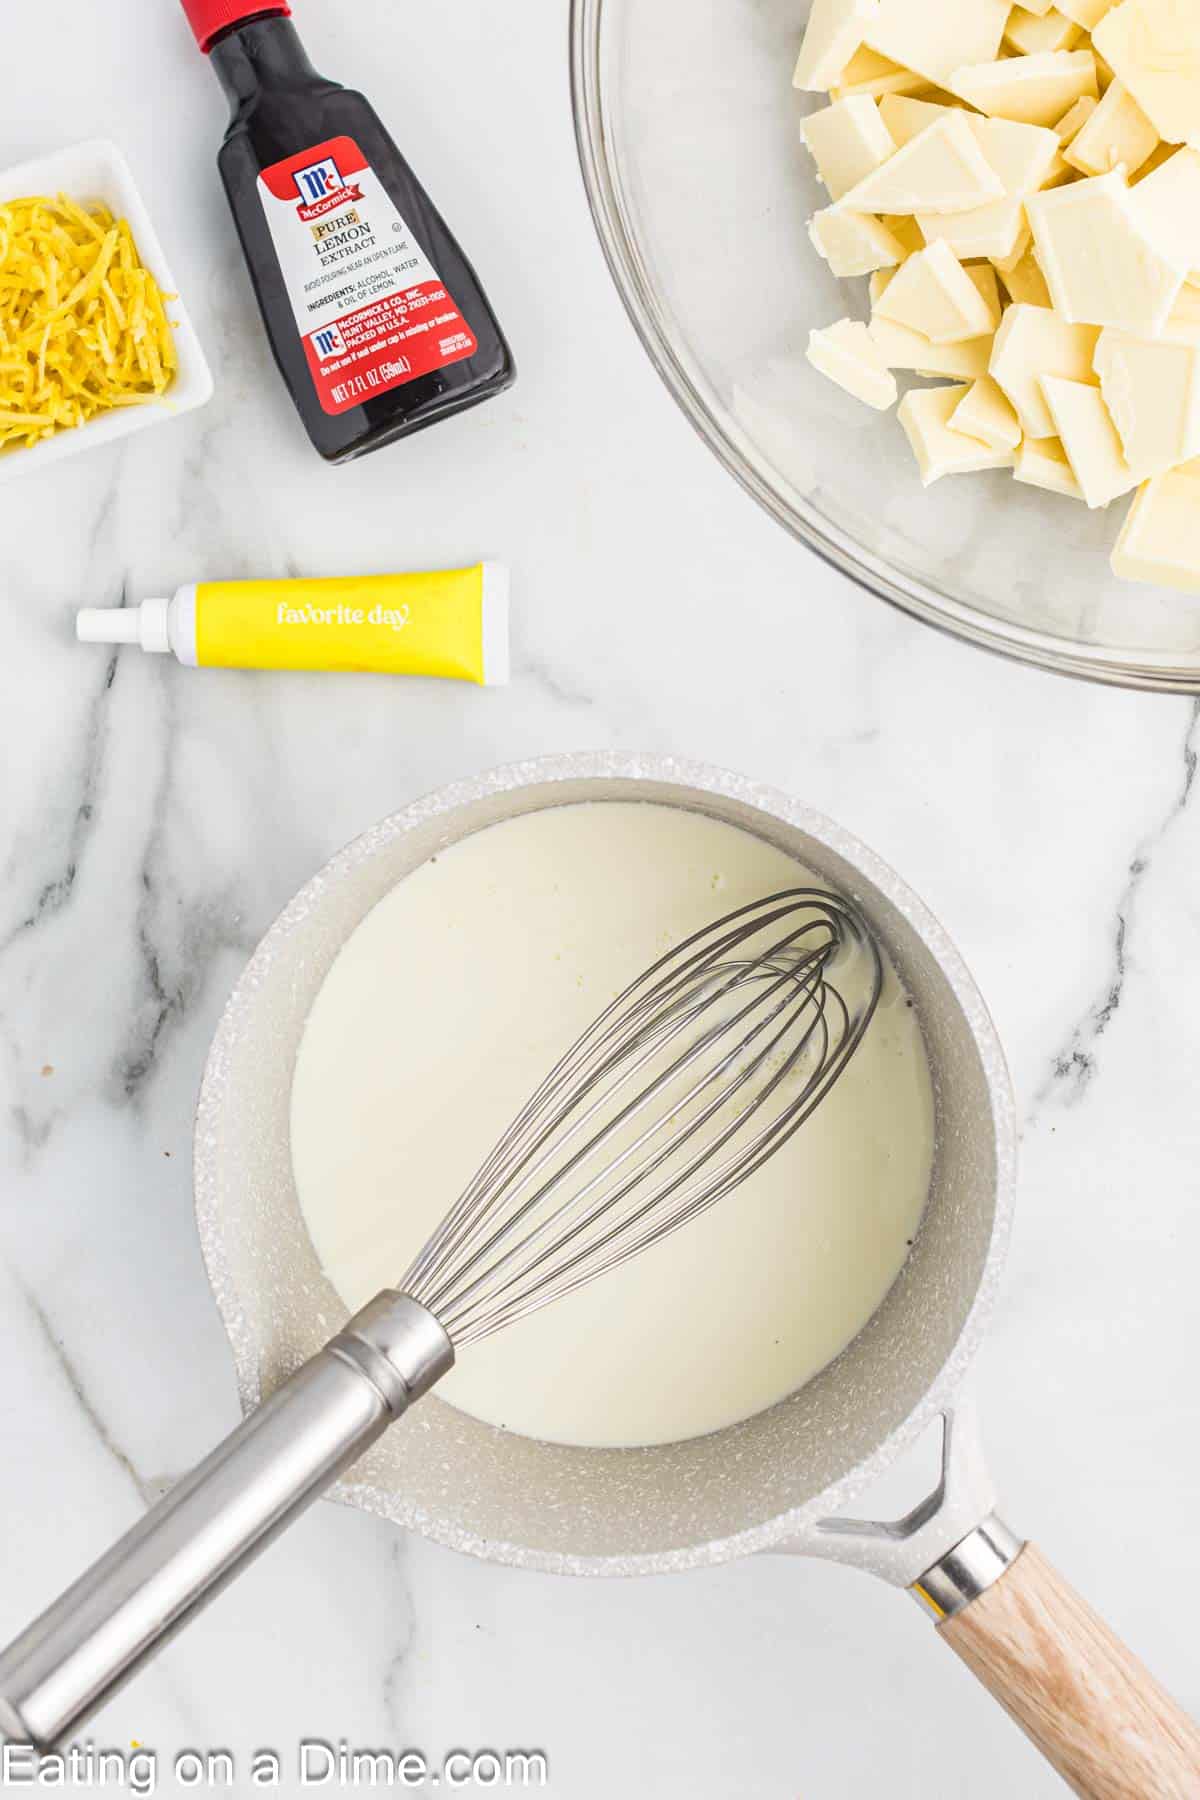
(377, 320)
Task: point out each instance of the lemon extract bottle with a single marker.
(376, 318)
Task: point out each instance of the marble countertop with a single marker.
(154, 820)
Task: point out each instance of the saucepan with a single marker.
(785, 1481)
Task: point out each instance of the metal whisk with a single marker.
(694, 1076)
(698, 1072)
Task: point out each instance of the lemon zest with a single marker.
(83, 324)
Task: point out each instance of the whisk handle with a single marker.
(213, 1524)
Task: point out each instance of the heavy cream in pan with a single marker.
(443, 1013)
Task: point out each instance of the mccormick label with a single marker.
(372, 310)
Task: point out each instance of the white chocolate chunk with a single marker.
(1060, 171)
(1020, 248)
(1042, 462)
(1087, 13)
(903, 348)
(1034, 90)
(1090, 440)
(1152, 390)
(1104, 72)
(1153, 46)
(1025, 281)
(984, 412)
(942, 170)
(1034, 144)
(835, 31)
(988, 289)
(1030, 344)
(994, 230)
(1154, 161)
(847, 141)
(854, 243)
(1183, 326)
(868, 73)
(905, 227)
(1030, 34)
(935, 37)
(846, 354)
(1118, 135)
(1021, 157)
(933, 294)
(906, 118)
(940, 450)
(1075, 118)
(1166, 205)
(1100, 265)
(879, 284)
(1160, 540)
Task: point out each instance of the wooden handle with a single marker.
(1090, 1707)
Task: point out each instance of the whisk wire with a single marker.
(605, 1198)
(722, 1179)
(686, 1083)
(613, 1024)
(643, 1048)
(587, 1255)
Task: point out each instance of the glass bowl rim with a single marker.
(955, 618)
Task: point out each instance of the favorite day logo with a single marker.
(322, 189)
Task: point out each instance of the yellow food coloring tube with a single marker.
(451, 623)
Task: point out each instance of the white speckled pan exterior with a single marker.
(765, 1484)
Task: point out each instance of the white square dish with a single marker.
(93, 171)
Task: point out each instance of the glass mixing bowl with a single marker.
(688, 131)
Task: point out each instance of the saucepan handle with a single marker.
(217, 1520)
(1084, 1699)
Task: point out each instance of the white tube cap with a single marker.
(147, 625)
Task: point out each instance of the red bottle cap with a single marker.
(207, 18)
